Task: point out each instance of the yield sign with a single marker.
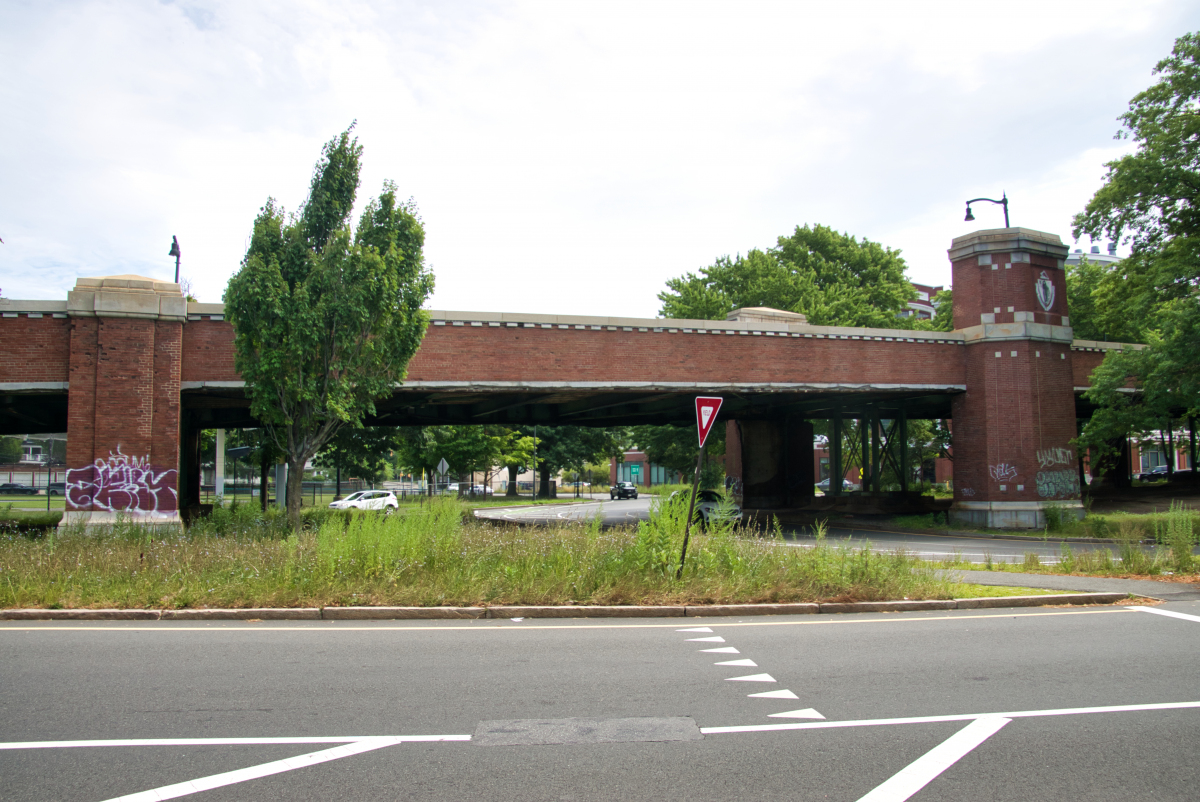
(706, 415)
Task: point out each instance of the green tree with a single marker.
(676, 447)
(571, 448)
(326, 319)
(1151, 200)
(362, 452)
(10, 449)
(832, 278)
(465, 448)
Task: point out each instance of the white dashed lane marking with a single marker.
(746, 663)
(722, 650)
(784, 694)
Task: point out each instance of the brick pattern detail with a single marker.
(34, 349)
(451, 353)
(983, 289)
(1013, 426)
(484, 353)
(124, 376)
(208, 349)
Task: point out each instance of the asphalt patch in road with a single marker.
(540, 731)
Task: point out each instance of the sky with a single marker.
(565, 157)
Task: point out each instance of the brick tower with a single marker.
(1014, 424)
(123, 409)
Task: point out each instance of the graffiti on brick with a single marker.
(1002, 472)
(1049, 457)
(966, 491)
(1057, 484)
(122, 483)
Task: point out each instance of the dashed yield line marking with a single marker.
(722, 650)
(695, 629)
(807, 712)
(752, 678)
(784, 694)
(713, 639)
(745, 663)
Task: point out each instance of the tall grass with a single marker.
(431, 556)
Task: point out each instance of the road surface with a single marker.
(973, 548)
(1024, 705)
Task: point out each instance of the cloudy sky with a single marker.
(566, 157)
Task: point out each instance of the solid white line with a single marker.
(227, 741)
(879, 722)
(923, 770)
(1169, 613)
(255, 772)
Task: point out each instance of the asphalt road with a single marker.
(974, 548)
(1053, 704)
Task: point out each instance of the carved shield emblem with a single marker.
(1045, 291)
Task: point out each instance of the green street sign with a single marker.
(635, 469)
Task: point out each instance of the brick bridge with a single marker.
(132, 372)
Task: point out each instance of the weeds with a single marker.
(430, 556)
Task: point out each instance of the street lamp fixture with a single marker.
(1002, 202)
(175, 252)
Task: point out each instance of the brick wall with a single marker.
(34, 349)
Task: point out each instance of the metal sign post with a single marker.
(706, 415)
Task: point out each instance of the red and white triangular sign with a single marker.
(706, 415)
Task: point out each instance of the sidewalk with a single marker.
(1166, 591)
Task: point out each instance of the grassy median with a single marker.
(435, 555)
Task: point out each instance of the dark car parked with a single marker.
(17, 489)
(623, 490)
(1154, 474)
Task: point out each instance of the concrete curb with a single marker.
(563, 611)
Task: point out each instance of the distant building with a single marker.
(1109, 258)
(923, 307)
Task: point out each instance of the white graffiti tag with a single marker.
(1057, 484)
(1055, 456)
(122, 484)
(966, 491)
(1002, 472)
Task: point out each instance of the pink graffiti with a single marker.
(122, 484)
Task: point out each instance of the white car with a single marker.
(480, 490)
(367, 500)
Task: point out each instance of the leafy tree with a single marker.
(571, 447)
(326, 319)
(676, 447)
(362, 452)
(1151, 200)
(832, 278)
(10, 449)
(465, 448)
